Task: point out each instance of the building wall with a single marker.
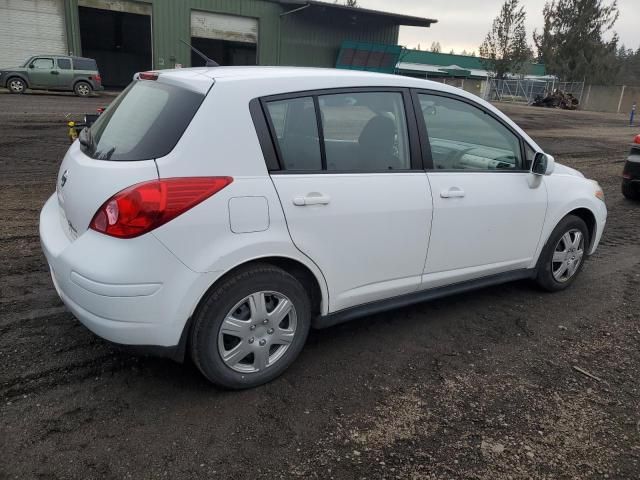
(310, 41)
(299, 38)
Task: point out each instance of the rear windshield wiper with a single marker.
(85, 138)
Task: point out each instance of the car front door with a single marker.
(43, 73)
(488, 211)
(354, 193)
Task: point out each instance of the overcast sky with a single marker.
(463, 24)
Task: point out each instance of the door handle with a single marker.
(453, 192)
(54, 72)
(311, 199)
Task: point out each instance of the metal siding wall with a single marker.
(313, 40)
(295, 39)
(172, 22)
(31, 27)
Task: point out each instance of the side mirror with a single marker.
(543, 164)
(31, 66)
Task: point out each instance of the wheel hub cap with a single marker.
(257, 331)
(567, 255)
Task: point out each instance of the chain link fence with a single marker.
(527, 90)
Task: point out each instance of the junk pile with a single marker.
(557, 99)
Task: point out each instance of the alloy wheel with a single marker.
(16, 86)
(83, 89)
(567, 256)
(257, 332)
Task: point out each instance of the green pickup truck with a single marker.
(53, 72)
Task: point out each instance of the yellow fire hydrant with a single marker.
(73, 134)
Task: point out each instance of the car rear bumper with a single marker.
(132, 292)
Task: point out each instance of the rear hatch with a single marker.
(143, 123)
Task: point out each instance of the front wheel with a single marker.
(251, 327)
(563, 257)
(82, 89)
(16, 85)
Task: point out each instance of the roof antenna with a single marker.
(207, 60)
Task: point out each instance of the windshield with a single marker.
(144, 122)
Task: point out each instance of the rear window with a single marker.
(84, 64)
(144, 122)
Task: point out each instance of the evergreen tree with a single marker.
(505, 48)
(571, 44)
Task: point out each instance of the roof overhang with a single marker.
(357, 11)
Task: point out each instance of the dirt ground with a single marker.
(475, 386)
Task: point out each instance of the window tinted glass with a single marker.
(43, 63)
(365, 131)
(464, 137)
(144, 122)
(64, 63)
(84, 64)
(296, 129)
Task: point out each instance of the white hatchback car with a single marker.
(224, 211)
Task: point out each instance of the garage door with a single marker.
(217, 26)
(30, 27)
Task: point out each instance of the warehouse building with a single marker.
(126, 36)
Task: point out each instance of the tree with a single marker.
(435, 47)
(505, 48)
(571, 44)
(351, 3)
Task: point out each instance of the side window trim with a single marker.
(424, 133)
(273, 149)
(263, 126)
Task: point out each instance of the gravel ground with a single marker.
(475, 386)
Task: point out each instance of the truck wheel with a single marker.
(16, 85)
(251, 327)
(82, 89)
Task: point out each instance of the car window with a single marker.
(64, 63)
(84, 64)
(529, 155)
(464, 137)
(144, 122)
(365, 131)
(296, 130)
(43, 63)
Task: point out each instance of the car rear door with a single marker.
(65, 73)
(353, 190)
(488, 208)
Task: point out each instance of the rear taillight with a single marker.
(637, 139)
(148, 75)
(143, 207)
(97, 78)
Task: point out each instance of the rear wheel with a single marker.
(563, 256)
(251, 327)
(82, 89)
(16, 85)
(630, 192)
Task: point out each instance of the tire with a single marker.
(82, 89)
(257, 349)
(550, 274)
(630, 192)
(16, 85)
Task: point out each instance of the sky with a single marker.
(463, 24)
